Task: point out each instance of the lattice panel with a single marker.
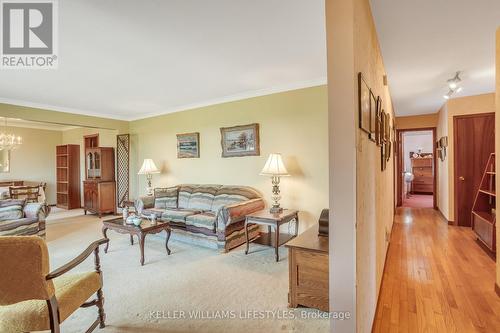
(122, 168)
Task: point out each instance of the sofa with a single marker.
(207, 215)
(18, 218)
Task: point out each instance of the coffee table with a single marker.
(140, 231)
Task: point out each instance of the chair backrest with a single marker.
(30, 193)
(25, 264)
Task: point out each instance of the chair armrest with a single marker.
(236, 212)
(36, 210)
(94, 247)
(143, 203)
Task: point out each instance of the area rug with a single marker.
(193, 290)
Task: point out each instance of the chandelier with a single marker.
(9, 141)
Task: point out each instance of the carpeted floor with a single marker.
(168, 291)
(418, 201)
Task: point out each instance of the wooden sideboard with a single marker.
(99, 188)
(423, 181)
(308, 269)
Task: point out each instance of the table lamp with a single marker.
(275, 168)
(148, 168)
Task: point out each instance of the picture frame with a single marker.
(379, 123)
(388, 150)
(364, 104)
(383, 164)
(238, 141)
(188, 145)
(373, 117)
(387, 127)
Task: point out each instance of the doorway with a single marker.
(416, 168)
(474, 141)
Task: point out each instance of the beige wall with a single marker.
(293, 123)
(442, 187)
(34, 160)
(484, 103)
(497, 142)
(375, 195)
(353, 47)
(422, 121)
(107, 138)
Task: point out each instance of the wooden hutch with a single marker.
(68, 176)
(99, 189)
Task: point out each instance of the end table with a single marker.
(273, 221)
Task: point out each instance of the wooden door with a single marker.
(474, 141)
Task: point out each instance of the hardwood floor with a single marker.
(436, 279)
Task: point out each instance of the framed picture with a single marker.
(378, 122)
(383, 161)
(388, 151)
(240, 141)
(387, 127)
(364, 104)
(444, 141)
(188, 145)
(373, 117)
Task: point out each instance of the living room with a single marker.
(246, 148)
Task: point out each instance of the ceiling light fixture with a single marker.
(453, 85)
(9, 141)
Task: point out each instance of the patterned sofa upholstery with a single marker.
(208, 215)
(18, 218)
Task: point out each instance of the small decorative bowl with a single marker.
(137, 221)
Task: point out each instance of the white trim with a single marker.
(55, 108)
(215, 101)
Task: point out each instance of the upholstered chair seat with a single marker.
(31, 298)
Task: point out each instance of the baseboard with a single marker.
(383, 272)
(497, 289)
(444, 218)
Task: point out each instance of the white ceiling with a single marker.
(131, 59)
(417, 133)
(425, 42)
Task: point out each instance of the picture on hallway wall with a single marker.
(240, 141)
(383, 161)
(379, 125)
(188, 145)
(373, 117)
(364, 105)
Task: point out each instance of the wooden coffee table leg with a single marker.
(104, 232)
(131, 239)
(246, 236)
(141, 245)
(168, 237)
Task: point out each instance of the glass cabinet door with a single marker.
(97, 164)
(90, 165)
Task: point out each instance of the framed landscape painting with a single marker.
(188, 145)
(240, 140)
(364, 105)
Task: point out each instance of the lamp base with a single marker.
(276, 210)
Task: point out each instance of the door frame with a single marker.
(455, 145)
(399, 169)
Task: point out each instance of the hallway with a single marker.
(436, 279)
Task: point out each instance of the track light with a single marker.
(453, 85)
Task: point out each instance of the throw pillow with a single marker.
(10, 213)
(166, 197)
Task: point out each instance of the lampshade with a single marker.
(148, 167)
(274, 166)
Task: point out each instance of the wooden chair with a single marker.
(32, 299)
(30, 193)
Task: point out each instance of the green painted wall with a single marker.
(294, 123)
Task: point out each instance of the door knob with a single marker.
(461, 178)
